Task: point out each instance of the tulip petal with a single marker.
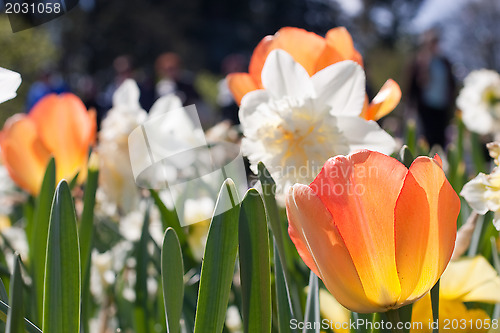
(283, 76)
(305, 47)
(322, 248)
(241, 84)
(66, 129)
(425, 227)
(9, 82)
(360, 191)
(339, 47)
(23, 153)
(471, 280)
(384, 102)
(342, 87)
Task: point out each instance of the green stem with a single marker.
(393, 316)
(375, 319)
(435, 305)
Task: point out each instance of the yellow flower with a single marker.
(465, 280)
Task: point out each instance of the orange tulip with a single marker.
(314, 53)
(378, 234)
(58, 126)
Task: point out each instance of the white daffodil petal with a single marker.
(250, 102)
(480, 121)
(473, 193)
(364, 134)
(127, 95)
(342, 87)
(164, 104)
(9, 82)
(282, 76)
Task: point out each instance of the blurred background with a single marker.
(100, 43)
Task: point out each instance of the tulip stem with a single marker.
(393, 316)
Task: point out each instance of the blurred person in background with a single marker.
(172, 79)
(432, 89)
(49, 81)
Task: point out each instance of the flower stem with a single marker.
(393, 316)
(375, 319)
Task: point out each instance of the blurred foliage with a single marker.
(28, 52)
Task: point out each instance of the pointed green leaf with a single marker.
(283, 301)
(38, 243)
(172, 272)
(141, 310)
(255, 269)
(29, 326)
(312, 305)
(218, 263)
(61, 303)
(15, 318)
(405, 156)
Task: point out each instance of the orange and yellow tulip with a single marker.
(378, 234)
(314, 53)
(58, 126)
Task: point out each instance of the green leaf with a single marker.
(172, 273)
(86, 228)
(283, 301)
(405, 156)
(255, 267)
(29, 326)
(61, 303)
(312, 305)
(15, 318)
(218, 264)
(85, 231)
(168, 217)
(38, 243)
(3, 292)
(494, 252)
(141, 311)
(269, 189)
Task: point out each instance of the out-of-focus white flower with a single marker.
(483, 194)
(9, 82)
(130, 226)
(116, 179)
(194, 212)
(297, 122)
(479, 101)
(16, 237)
(494, 150)
(233, 320)
(101, 274)
(9, 192)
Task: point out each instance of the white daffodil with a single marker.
(479, 101)
(483, 192)
(297, 122)
(117, 187)
(9, 82)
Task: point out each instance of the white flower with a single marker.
(195, 213)
(117, 186)
(297, 122)
(479, 101)
(483, 194)
(9, 82)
